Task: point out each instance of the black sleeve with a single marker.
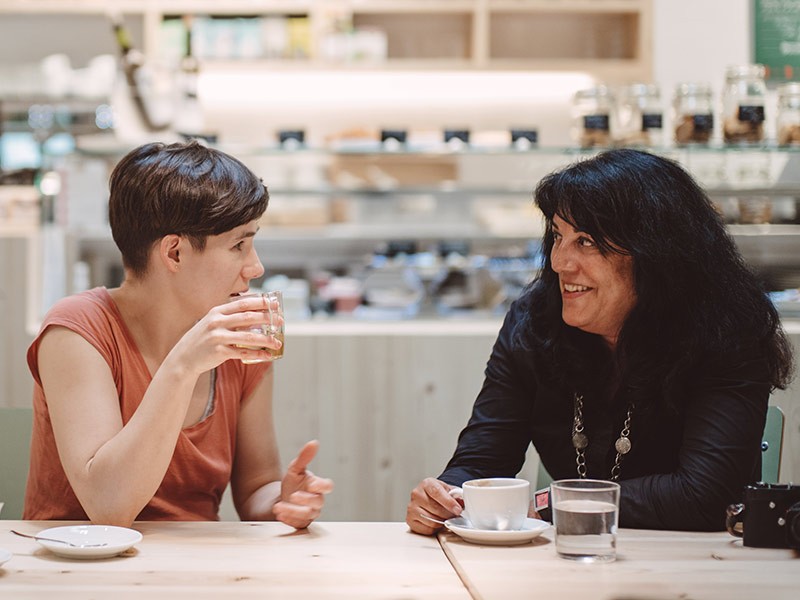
(494, 442)
(719, 454)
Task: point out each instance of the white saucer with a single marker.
(117, 540)
(5, 556)
(531, 528)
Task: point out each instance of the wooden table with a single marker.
(237, 560)
(383, 560)
(650, 565)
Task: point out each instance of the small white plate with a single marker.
(531, 529)
(117, 540)
(5, 556)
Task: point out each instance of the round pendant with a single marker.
(579, 441)
(623, 445)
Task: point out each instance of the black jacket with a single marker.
(685, 465)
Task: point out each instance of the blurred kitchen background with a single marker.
(401, 141)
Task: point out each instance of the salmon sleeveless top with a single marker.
(201, 465)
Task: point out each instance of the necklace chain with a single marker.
(580, 441)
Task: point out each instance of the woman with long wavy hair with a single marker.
(646, 333)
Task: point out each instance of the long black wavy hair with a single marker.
(697, 301)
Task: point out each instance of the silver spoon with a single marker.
(432, 519)
(46, 539)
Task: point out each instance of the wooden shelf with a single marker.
(557, 36)
(157, 6)
(422, 36)
(609, 39)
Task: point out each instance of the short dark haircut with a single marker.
(696, 297)
(185, 189)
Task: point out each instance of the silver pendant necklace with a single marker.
(580, 441)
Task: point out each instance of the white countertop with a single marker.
(791, 326)
(409, 327)
(337, 326)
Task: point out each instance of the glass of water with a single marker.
(585, 515)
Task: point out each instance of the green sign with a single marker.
(777, 38)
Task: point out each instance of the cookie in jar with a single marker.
(743, 104)
(693, 114)
(639, 115)
(591, 111)
(788, 121)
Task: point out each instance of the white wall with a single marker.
(695, 40)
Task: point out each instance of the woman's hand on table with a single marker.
(431, 498)
(302, 492)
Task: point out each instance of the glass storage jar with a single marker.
(592, 109)
(640, 115)
(788, 122)
(693, 113)
(743, 104)
(756, 210)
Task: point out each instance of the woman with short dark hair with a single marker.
(646, 334)
(143, 408)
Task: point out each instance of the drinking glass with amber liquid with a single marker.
(273, 309)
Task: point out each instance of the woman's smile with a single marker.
(597, 289)
(572, 290)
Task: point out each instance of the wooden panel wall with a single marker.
(387, 410)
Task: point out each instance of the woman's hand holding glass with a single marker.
(273, 326)
(234, 330)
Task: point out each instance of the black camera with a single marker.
(769, 516)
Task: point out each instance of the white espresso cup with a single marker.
(495, 503)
